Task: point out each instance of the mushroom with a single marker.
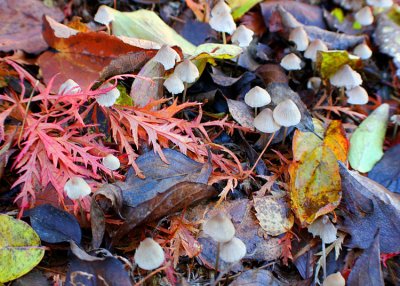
(242, 36)
(220, 8)
(362, 51)
(380, 3)
(149, 255)
(291, 62)
(69, 87)
(313, 48)
(219, 227)
(257, 97)
(335, 279)
(364, 16)
(77, 188)
(300, 38)
(287, 114)
(346, 77)
(357, 95)
(109, 98)
(167, 56)
(187, 72)
(233, 250)
(395, 119)
(265, 122)
(103, 16)
(221, 19)
(314, 83)
(111, 162)
(174, 84)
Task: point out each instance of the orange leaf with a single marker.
(335, 139)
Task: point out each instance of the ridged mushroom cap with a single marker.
(257, 97)
(220, 8)
(167, 56)
(69, 87)
(149, 255)
(111, 162)
(335, 279)
(242, 36)
(219, 227)
(286, 113)
(346, 77)
(357, 95)
(223, 23)
(109, 98)
(291, 62)
(187, 71)
(77, 188)
(300, 38)
(265, 122)
(233, 250)
(362, 51)
(323, 228)
(174, 84)
(313, 48)
(364, 16)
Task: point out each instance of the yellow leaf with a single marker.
(330, 62)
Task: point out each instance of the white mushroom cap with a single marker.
(220, 8)
(357, 95)
(219, 227)
(323, 228)
(233, 250)
(187, 71)
(335, 279)
(111, 162)
(362, 51)
(69, 87)
(149, 255)
(257, 97)
(103, 16)
(223, 23)
(242, 36)
(380, 3)
(314, 83)
(313, 48)
(364, 16)
(286, 113)
(300, 38)
(291, 62)
(167, 56)
(77, 188)
(109, 98)
(265, 122)
(174, 84)
(395, 119)
(346, 77)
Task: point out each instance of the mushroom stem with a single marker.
(342, 97)
(255, 111)
(396, 126)
(184, 92)
(217, 258)
(224, 38)
(112, 177)
(284, 136)
(83, 218)
(323, 259)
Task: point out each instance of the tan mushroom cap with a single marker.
(346, 77)
(291, 62)
(265, 122)
(313, 48)
(219, 227)
(300, 38)
(242, 36)
(77, 188)
(149, 255)
(111, 162)
(357, 95)
(286, 113)
(223, 23)
(233, 250)
(335, 279)
(174, 84)
(257, 97)
(364, 16)
(323, 228)
(362, 51)
(187, 71)
(167, 56)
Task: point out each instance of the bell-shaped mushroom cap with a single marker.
(77, 188)
(187, 71)
(223, 23)
(291, 62)
(362, 51)
(174, 84)
(265, 121)
(300, 38)
(314, 83)
(233, 250)
(323, 228)
(364, 16)
(286, 113)
(395, 119)
(111, 162)
(109, 98)
(69, 87)
(167, 56)
(257, 97)
(357, 95)
(149, 255)
(103, 16)
(335, 279)
(313, 48)
(219, 227)
(380, 3)
(242, 36)
(220, 8)
(346, 77)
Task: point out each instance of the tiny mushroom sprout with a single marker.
(346, 77)
(109, 98)
(362, 51)
(76, 188)
(174, 84)
(233, 250)
(219, 227)
(335, 279)
(242, 36)
(265, 122)
(149, 255)
(291, 62)
(300, 38)
(167, 56)
(111, 162)
(313, 48)
(69, 87)
(286, 113)
(364, 16)
(357, 95)
(380, 3)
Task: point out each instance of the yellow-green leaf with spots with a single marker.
(20, 249)
(331, 61)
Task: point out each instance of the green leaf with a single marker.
(124, 99)
(331, 61)
(240, 7)
(367, 141)
(20, 249)
(217, 51)
(357, 26)
(338, 14)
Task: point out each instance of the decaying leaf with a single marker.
(241, 112)
(272, 73)
(257, 277)
(330, 62)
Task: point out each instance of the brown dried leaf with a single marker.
(272, 73)
(241, 112)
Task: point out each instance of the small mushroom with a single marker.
(300, 38)
(77, 188)
(187, 71)
(380, 3)
(174, 84)
(335, 279)
(242, 36)
(357, 95)
(364, 16)
(223, 23)
(287, 114)
(109, 98)
(233, 250)
(167, 56)
(265, 122)
(219, 227)
(149, 255)
(346, 77)
(291, 62)
(220, 8)
(313, 48)
(314, 83)
(69, 87)
(362, 51)
(257, 97)
(111, 162)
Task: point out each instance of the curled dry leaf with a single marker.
(241, 112)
